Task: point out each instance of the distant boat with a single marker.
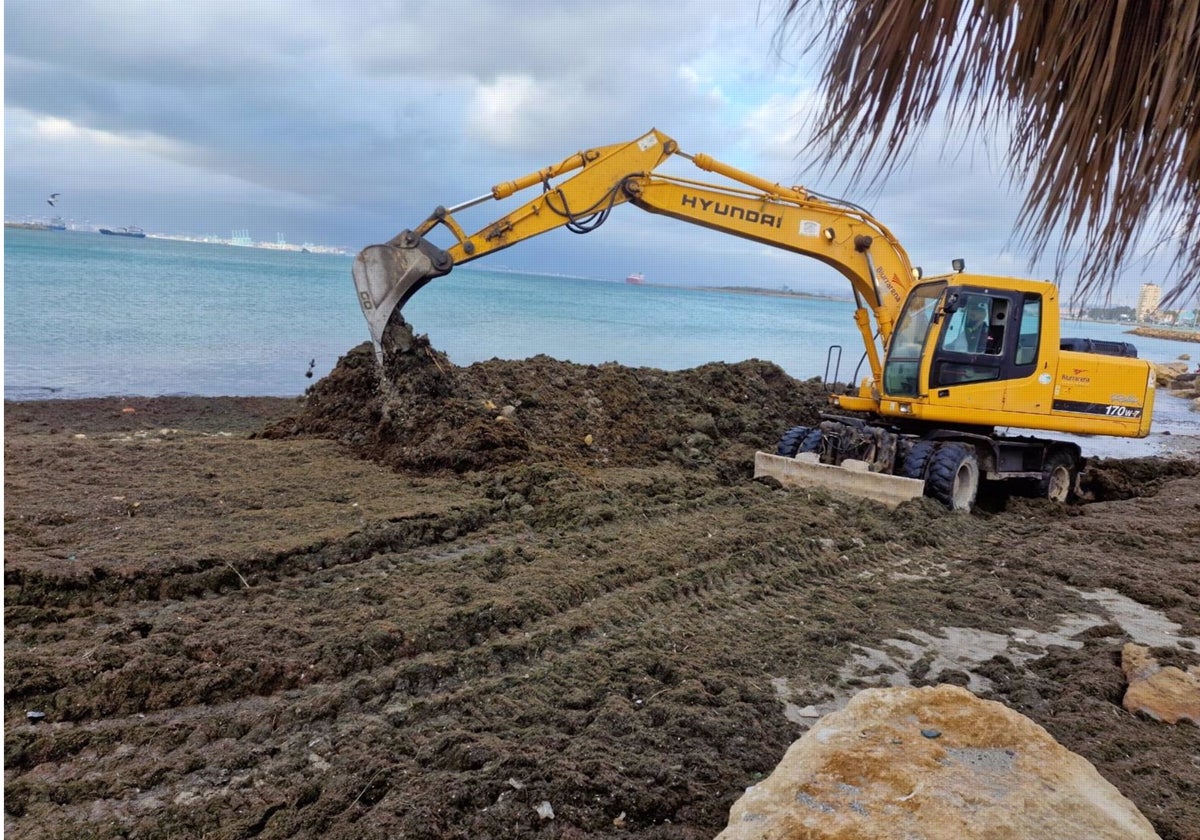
(57, 224)
(125, 231)
(636, 279)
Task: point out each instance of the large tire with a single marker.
(789, 444)
(953, 476)
(916, 462)
(812, 441)
(1059, 474)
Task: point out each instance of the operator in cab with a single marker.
(974, 337)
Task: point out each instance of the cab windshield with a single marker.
(902, 369)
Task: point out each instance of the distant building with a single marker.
(1148, 300)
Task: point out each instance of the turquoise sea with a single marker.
(88, 315)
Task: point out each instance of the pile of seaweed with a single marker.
(419, 412)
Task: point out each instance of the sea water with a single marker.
(88, 315)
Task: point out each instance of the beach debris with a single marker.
(992, 769)
(129, 410)
(35, 716)
(545, 811)
(515, 784)
(1165, 694)
(416, 415)
(619, 820)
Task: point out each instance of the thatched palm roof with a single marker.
(1102, 98)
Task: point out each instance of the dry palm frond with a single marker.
(1101, 98)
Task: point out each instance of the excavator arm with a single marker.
(837, 233)
(387, 275)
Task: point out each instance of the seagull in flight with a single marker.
(53, 196)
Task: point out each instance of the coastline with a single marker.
(758, 291)
(1176, 435)
(1167, 333)
(764, 292)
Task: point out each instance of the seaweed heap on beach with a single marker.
(1107, 479)
(420, 412)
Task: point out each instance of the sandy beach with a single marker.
(427, 613)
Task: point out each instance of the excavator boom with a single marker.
(835, 232)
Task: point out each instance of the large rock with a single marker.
(932, 763)
(1165, 373)
(1165, 694)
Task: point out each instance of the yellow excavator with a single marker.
(956, 361)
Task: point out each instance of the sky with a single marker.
(342, 124)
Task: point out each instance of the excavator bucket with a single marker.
(386, 276)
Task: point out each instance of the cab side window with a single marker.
(1030, 330)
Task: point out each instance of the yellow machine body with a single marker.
(952, 359)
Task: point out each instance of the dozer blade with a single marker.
(851, 477)
(386, 276)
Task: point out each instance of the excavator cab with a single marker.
(968, 334)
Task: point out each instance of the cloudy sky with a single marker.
(341, 124)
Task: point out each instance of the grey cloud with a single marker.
(345, 123)
(285, 100)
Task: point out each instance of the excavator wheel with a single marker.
(953, 476)
(789, 444)
(1059, 474)
(812, 441)
(916, 462)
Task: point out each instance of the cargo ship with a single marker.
(125, 231)
(636, 279)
